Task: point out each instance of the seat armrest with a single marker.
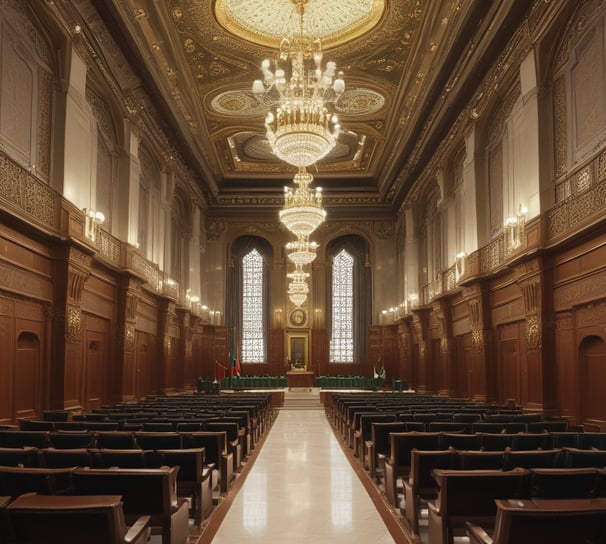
(477, 535)
(432, 506)
(139, 532)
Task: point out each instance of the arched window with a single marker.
(341, 340)
(349, 300)
(247, 304)
(253, 348)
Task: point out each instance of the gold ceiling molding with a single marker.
(242, 103)
(335, 22)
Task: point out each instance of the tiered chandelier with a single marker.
(301, 130)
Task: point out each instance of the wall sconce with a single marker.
(92, 221)
(514, 229)
(460, 263)
(413, 300)
(389, 316)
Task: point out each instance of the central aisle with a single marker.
(302, 488)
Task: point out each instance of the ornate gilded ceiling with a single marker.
(406, 64)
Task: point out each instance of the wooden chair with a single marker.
(74, 520)
(469, 495)
(215, 453)
(144, 492)
(421, 486)
(377, 449)
(193, 480)
(481, 460)
(553, 521)
(398, 463)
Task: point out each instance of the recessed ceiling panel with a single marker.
(266, 22)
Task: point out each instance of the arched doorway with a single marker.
(592, 365)
(27, 378)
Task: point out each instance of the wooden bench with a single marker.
(144, 492)
(469, 495)
(74, 520)
(553, 521)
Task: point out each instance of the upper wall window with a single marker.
(26, 92)
(253, 334)
(341, 340)
(248, 297)
(349, 299)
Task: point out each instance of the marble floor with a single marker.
(301, 489)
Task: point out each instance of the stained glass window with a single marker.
(341, 342)
(253, 345)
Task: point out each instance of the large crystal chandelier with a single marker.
(299, 126)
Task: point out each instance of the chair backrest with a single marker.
(553, 521)
(118, 440)
(157, 440)
(380, 434)
(403, 443)
(423, 463)
(15, 481)
(532, 441)
(481, 460)
(144, 491)
(106, 458)
(65, 458)
(214, 444)
(460, 441)
(534, 459)
(473, 492)
(72, 439)
(13, 457)
(564, 483)
(190, 461)
(20, 439)
(495, 441)
(576, 458)
(70, 520)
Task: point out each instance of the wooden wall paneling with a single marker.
(28, 368)
(145, 365)
(464, 366)
(96, 347)
(7, 361)
(276, 356)
(508, 364)
(566, 370)
(319, 355)
(592, 365)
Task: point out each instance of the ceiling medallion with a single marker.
(335, 22)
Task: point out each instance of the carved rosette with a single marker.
(73, 329)
(477, 339)
(129, 338)
(533, 332)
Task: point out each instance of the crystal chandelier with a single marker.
(301, 252)
(299, 126)
(302, 212)
(298, 288)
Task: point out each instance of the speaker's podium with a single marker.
(300, 377)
